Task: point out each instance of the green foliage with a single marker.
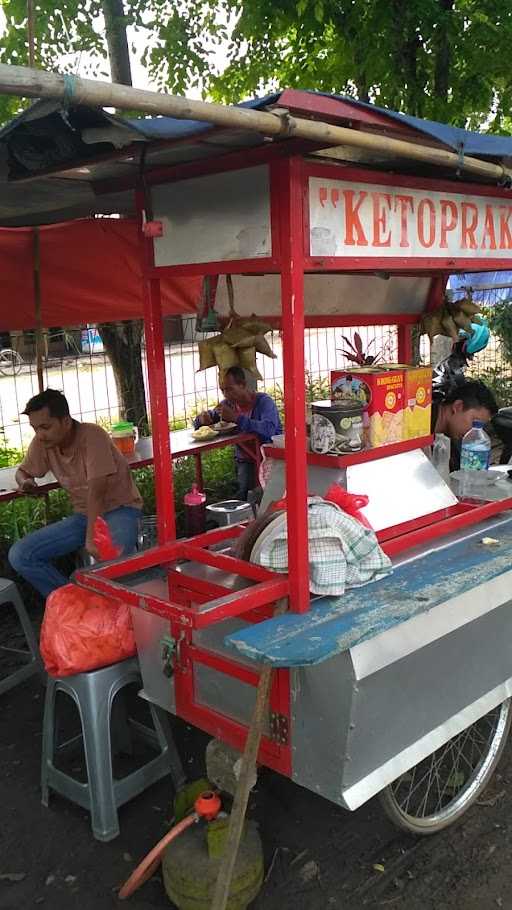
(178, 423)
(8, 456)
(500, 323)
(317, 388)
(28, 513)
(218, 474)
(499, 384)
(443, 59)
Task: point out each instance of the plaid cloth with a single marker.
(342, 553)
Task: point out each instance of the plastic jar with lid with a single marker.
(123, 437)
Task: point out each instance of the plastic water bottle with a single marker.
(475, 453)
(195, 511)
(441, 451)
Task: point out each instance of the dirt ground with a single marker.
(317, 856)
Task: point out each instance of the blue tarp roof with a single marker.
(466, 141)
(49, 139)
(458, 282)
(478, 144)
(172, 128)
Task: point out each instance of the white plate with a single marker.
(203, 439)
(223, 428)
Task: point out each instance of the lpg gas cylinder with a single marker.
(191, 863)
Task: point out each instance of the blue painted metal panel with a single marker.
(335, 624)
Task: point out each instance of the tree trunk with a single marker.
(122, 342)
(117, 42)
(442, 51)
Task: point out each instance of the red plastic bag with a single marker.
(83, 631)
(351, 503)
(103, 540)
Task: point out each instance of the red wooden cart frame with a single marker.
(290, 258)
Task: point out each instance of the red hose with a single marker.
(150, 863)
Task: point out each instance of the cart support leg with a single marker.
(199, 471)
(155, 354)
(287, 187)
(405, 352)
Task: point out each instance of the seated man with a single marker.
(253, 412)
(465, 402)
(95, 474)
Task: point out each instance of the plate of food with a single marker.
(203, 434)
(223, 428)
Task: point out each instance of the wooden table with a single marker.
(182, 446)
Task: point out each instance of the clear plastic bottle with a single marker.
(475, 453)
(441, 451)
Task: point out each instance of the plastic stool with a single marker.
(9, 594)
(102, 794)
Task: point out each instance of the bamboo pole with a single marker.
(36, 271)
(32, 83)
(36, 240)
(227, 864)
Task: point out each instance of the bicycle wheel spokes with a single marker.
(440, 777)
(10, 362)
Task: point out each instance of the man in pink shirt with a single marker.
(94, 473)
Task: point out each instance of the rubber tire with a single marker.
(423, 827)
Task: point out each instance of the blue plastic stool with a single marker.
(9, 594)
(102, 794)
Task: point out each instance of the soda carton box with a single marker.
(381, 390)
(417, 399)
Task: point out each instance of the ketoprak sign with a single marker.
(370, 220)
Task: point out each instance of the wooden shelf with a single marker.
(343, 461)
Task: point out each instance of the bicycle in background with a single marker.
(10, 362)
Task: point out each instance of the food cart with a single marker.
(401, 687)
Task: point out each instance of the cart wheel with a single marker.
(438, 790)
(10, 362)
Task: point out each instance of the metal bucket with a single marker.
(336, 428)
(148, 534)
(230, 512)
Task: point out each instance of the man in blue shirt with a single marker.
(253, 412)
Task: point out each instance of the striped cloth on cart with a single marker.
(342, 552)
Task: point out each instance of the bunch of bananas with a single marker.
(450, 318)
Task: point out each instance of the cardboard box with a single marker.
(418, 402)
(381, 389)
(417, 399)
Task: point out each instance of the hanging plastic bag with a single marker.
(351, 503)
(103, 540)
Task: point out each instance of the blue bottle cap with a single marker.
(478, 424)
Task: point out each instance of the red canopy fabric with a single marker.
(90, 272)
